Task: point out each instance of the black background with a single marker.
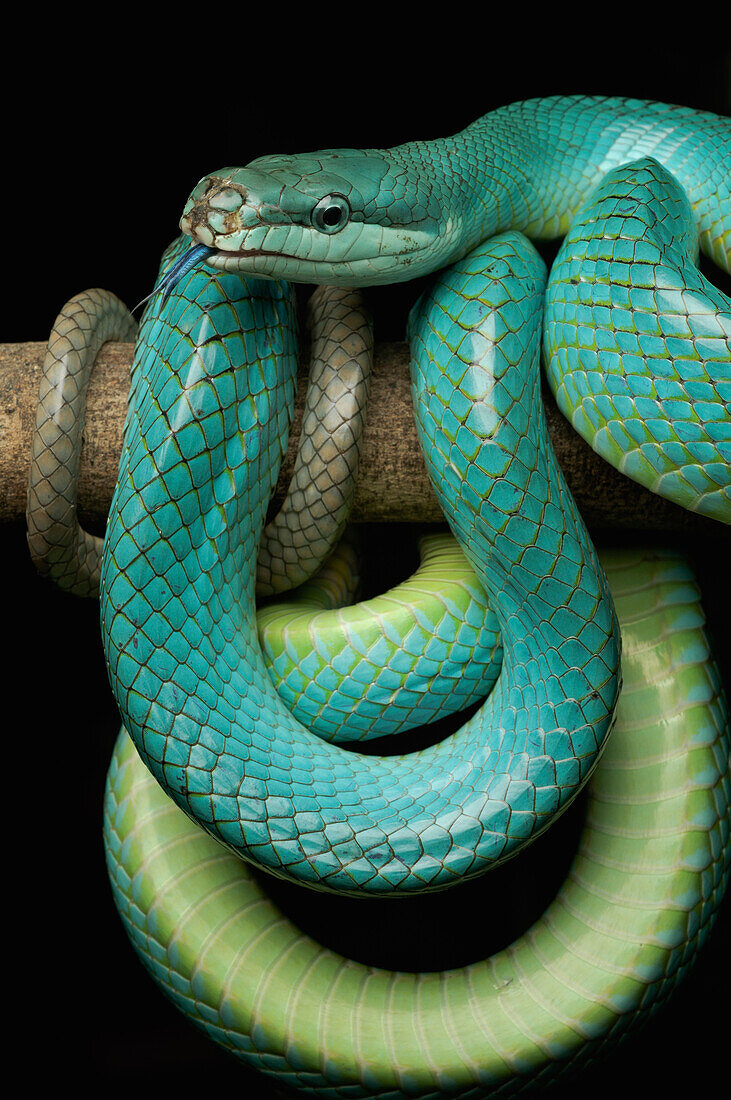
(100, 164)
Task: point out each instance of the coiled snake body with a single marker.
(208, 416)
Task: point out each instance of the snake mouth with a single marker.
(274, 263)
(221, 254)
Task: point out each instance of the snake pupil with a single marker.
(331, 214)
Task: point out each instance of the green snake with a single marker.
(202, 444)
(638, 902)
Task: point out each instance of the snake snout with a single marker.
(212, 210)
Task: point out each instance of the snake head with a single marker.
(343, 218)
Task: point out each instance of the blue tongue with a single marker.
(174, 274)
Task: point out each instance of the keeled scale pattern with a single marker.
(527, 166)
(636, 906)
(531, 165)
(427, 648)
(638, 342)
(315, 511)
(59, 546)
(201, 451)
(476, 392)
(427, 678)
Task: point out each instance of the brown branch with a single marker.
(393, 483)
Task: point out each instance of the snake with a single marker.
(347, 218)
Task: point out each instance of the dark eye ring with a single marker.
(331, 214)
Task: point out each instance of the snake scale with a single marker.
(636, 187)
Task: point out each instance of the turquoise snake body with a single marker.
(541, 745)
(203, 439)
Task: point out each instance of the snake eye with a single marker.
(331, 214)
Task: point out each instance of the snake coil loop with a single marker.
(638, 350)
